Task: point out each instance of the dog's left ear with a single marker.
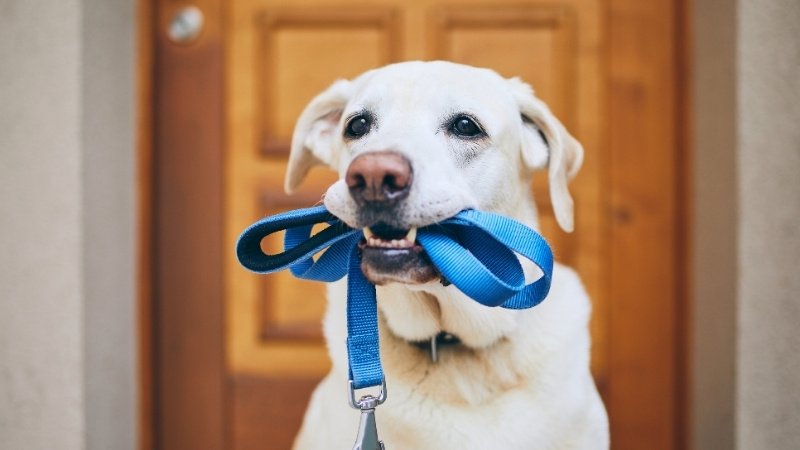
(546, 143)
(313, 141)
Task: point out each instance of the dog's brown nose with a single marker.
(379, 177)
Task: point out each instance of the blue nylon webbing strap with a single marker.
(476, 251)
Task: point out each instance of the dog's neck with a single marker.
(412, 315)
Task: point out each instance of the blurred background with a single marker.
(139, 137)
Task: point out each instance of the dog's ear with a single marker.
(315, 134)
(545, 142)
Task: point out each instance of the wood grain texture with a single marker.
(292, 38)
(644, 175)
(190, 407)
(278, 403)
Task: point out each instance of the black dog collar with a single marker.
(432, 345)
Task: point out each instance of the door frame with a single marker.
(646, 53)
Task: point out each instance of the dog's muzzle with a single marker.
(391, 254)
(379, 182)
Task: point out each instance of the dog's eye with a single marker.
(357, 126)
(465, 126)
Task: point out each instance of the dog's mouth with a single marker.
(392, 255)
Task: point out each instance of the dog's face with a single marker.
(417, 142)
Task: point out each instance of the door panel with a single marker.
(301, 51)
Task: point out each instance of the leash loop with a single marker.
(299, 244)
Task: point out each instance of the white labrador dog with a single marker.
(416, 143)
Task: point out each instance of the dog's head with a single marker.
(417, 142)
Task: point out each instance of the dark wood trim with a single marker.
(144, 205)
(278, 402)
(190, 403)
(684, 219)
(646, 163)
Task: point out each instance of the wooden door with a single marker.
(236, 354)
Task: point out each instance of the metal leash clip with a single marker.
(367, 438)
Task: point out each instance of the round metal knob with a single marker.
(186, 25)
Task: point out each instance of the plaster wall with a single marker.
(67, 347)
(745, 388)
(768, 363)
(41, 301)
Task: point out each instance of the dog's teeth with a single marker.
(412, 235)
(405, 242)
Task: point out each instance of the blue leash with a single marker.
(473, 250)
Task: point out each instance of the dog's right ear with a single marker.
(313, 141)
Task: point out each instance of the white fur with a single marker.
(521, 379)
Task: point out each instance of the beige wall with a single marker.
(746, 362)
(66, 225)
(768, 364)
(41, 328)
